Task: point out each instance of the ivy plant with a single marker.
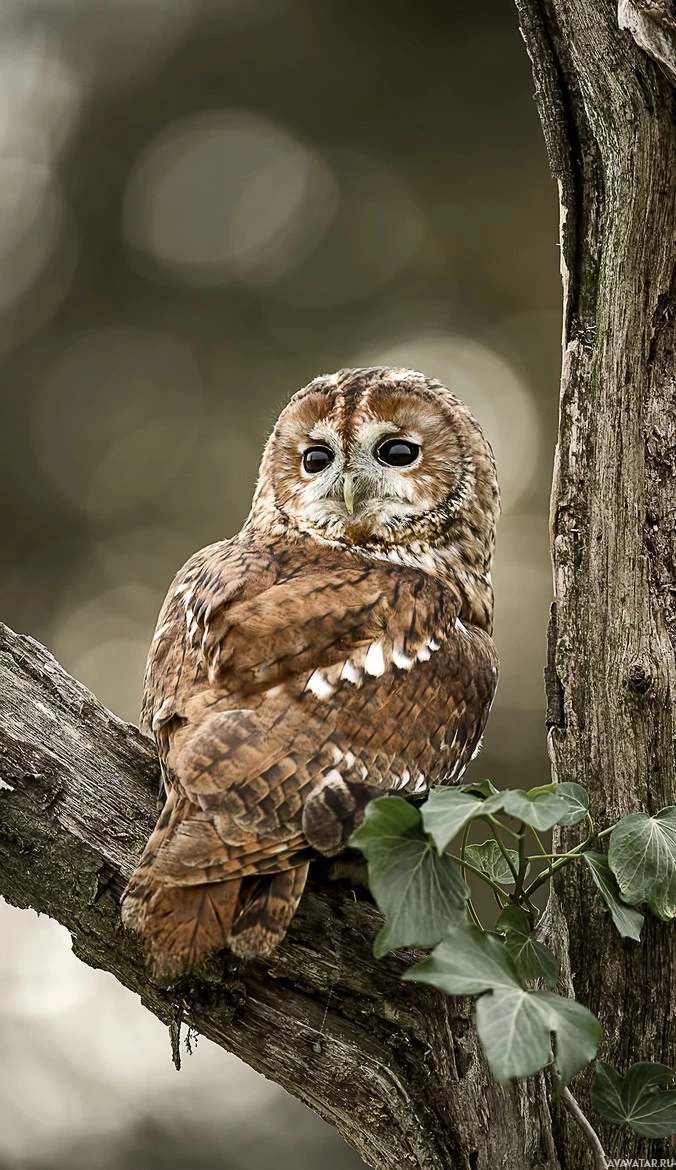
(419, 864)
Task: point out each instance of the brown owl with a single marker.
(336, 649)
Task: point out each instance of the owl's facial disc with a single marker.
(356, 490)
(380, 459)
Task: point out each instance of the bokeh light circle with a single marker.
(32, 218)
(375, 233)
(227, 195)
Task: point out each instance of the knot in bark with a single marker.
(639, 678)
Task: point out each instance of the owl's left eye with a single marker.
(398, 452)
(317, 459)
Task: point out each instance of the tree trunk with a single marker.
(396, 1067)
(609, 118)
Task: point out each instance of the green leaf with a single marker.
(447, 810)
(515, 1027)
(483, 788)
(642, 855)
(576, 800)
(606, 1092)
(627, 920)
(489, 858)
(541, 811)
(419, 891)
(532, 959)
(637, 1099)
(577, 1033)
(512, 1032)
(466, 962)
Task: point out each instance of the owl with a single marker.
(337, 649)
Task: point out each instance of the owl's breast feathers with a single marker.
(284, 693)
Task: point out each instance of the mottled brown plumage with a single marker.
(337, 649)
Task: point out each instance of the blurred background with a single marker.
(203, 204)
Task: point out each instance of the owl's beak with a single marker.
(348, 492)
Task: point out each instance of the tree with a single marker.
(396, 1067)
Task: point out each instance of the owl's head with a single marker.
(385, 462)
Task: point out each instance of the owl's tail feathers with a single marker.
(184, 908)
(266, 909)
(180, 924)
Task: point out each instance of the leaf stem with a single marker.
(606, 832)
(541, 847)
(494, 827)
(564, 859)
(593, 1140)
(499, 825)
(463, 861)
(480, 874)
(523, 862)
(473, 914)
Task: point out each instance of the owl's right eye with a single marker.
(317, 459)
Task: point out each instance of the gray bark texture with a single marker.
(606, 102)
(396, 1067)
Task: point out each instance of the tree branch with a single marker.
(395, 1067)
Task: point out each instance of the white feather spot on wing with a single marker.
(319, 685)
(374, 662)
(351, 672)
(401, 660)
(420, 783)
(161, 714)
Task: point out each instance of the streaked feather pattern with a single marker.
(295, 675)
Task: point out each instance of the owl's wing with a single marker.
(283, 700)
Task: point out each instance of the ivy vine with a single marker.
(420, 884)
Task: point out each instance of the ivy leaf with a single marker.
(532, 959)
(514, 1025)
(642, 855)
(447, 811)
(638, 1098)
(467, 961)
(514, 1037)
(606, 1094)
(489, 858)
(577, 1033)
(627, 920)
(419, 891)
(482, 788)
(540, 808)
(577, 802)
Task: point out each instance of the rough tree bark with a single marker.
(396, 1067)
(609, 117)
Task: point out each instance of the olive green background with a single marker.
(203, 205)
